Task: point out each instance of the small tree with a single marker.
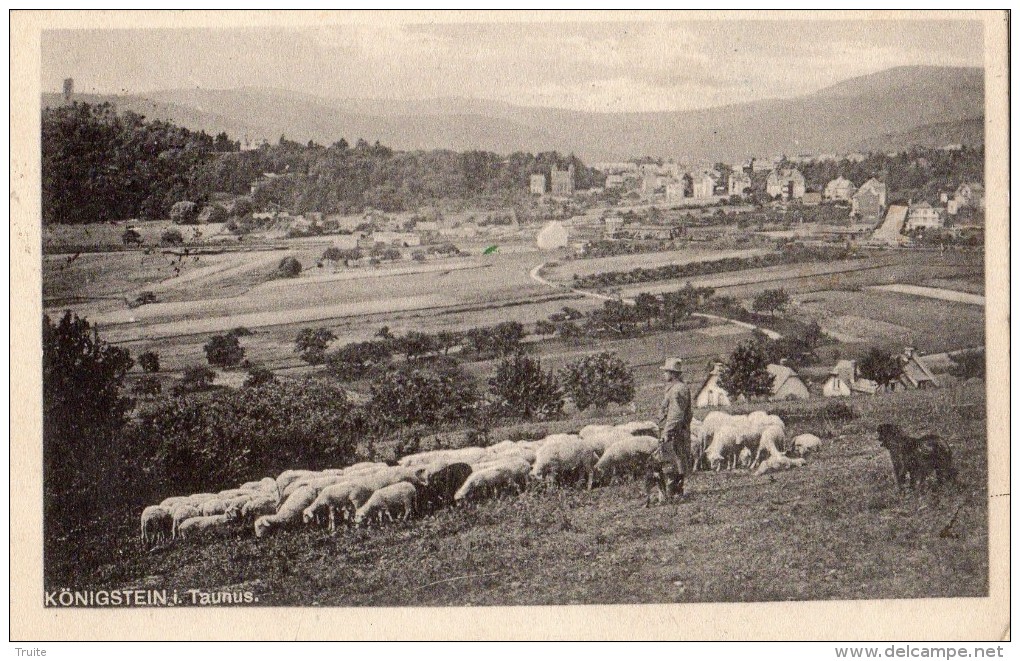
(213, 213)
(506, 337)
(543, 327)
(131, 237)
(418, 255)
(353, 361)
(598, 380)
(224, 350)
(647, 307)
(384, 333)
(415, 344)
(521, 389)
(881, 367)
(171, 237)
(312, 343)
(289, 267)
(243, 206)
(259, 375)
(968, 364)
(184, 212)
(771, 301)
(446, 340)
(746, 372)
(195, 379)
(149, 361)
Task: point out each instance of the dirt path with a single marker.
(933, 292)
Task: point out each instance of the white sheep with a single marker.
(778, 462)
(228, 494)
(591, 430)
(600, 442)
(288, 514)
(384, 502)
(181, 512)
(625, 456)
(317, 481)
(172, 501)
(745, 457)
(639, 428)
(770, 441)
(157, 524)
(712, 422)
(525, 453)
(211, 507)
(202, 497)
(344, 498)
(724, 446)
(803, 444)
(217, 524)
(565, 455)
(492, 480)
(288, 476)
(259, 505)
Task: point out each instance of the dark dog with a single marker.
(662, 481)
(914, 459)
(437, 488)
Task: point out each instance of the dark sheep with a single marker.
(438, 488)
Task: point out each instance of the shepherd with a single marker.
(674, 450)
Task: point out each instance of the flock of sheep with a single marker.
(371, 492)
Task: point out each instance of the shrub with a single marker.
(289, 267)
(968, 364)
(171, 237)
(312, 343)
(213, 213)
(195, 444)
(131, 236)
(83, 412)
(543, 327)
(521, 389)
(184, 212)
(415, 344)
(771, 301)
(224, 350)
(838, 412)
(144, 298)
(243, 206)
(598, 380)
(746, 372)
(241, 331)
(195, 379)
(149, 361)
(418, 255)
(259, 375)
(148, 386)
(881, 367)
(437, 392)
(355, 360)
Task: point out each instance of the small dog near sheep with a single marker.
(662, 482)
(914, 459)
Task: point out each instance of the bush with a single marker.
(312, 343)
(243, 206)
(241, 331)
(213, 213)
(131, 236)
(144, 298)
(746, 372)
(355, 360)
(149, 361)
(83, 413)
(195, 379)
(881, 367)
(598, 380)
(433, 393)
(224, 350)
(184, 212)
(771, 301)
(259, 375)
(289, 267)
(171, 237)
(418, 255)
(522, 390)
(148, 386)
(968, 364)
(838, 412)
(201, 444)
(415, 344)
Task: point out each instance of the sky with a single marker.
(600, 67)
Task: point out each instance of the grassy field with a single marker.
(835, 529)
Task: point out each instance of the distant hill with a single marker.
(970, 132)
(944, 104)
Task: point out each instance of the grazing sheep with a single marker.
(625, 457)
(211, 507)
(599, 443)
(724, 446)
(174, 500)
(592, 430)
(289, 513)
(180, 513)
(491, 481)
(288, 476)
(778, 462)
(639, 428)
(710, 425)
(227, 494)
(769, 442)
(202, 497)
(157, 524)
(565, 456)
(386, 501)
(317, 481)
(440, 484)
(336, 498)
(201, 526)
(804, 444)
(258, 506)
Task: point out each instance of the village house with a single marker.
(711, 393)
(740, 183)
(840, 188)
(538, 184)
(924, 215)
(786, 383)
(650, 183)
(844, 380)
(915, 373)
(869, 200)
(703, 186)
(612, 181)
(970, 195)
(562, 180)
(787, 183)
(676, 190)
